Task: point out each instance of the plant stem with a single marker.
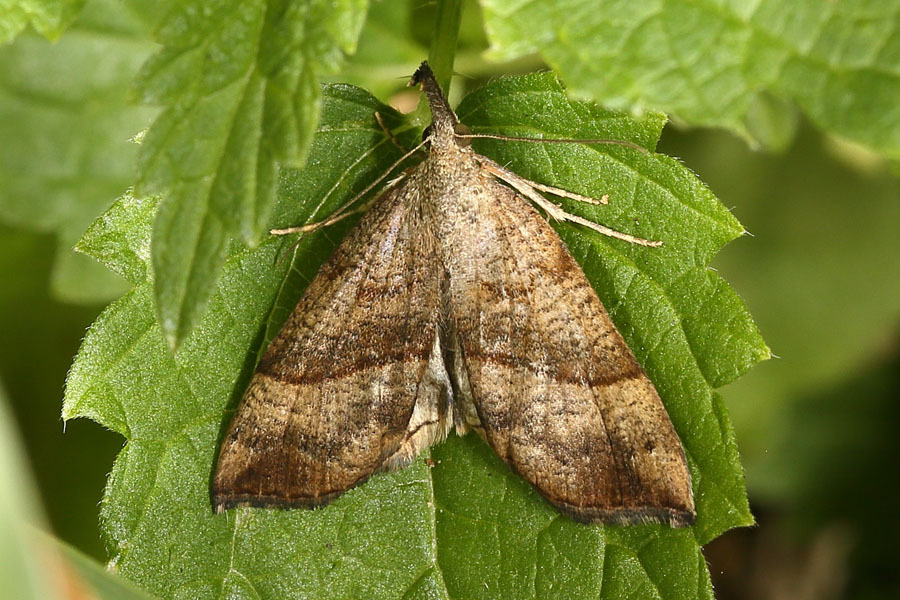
(443, 42)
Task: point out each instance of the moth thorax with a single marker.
(441, 133)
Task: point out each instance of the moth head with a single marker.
(441, 132)
(422, 73)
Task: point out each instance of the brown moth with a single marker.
(454, 304)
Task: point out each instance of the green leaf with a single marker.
(49, 17)
(239, 83)
(709, 63)
(65, 125)
(465, 527)
(120, 238)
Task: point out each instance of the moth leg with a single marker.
(343, 212)
(503, 173)
(527, 189)
(339, 215)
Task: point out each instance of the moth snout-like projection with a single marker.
(453, 304)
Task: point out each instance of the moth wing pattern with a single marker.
(354, 382)
(557, 393)
(454, 302)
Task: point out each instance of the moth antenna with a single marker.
(510, 138)
(289, 251)
(387, 131)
